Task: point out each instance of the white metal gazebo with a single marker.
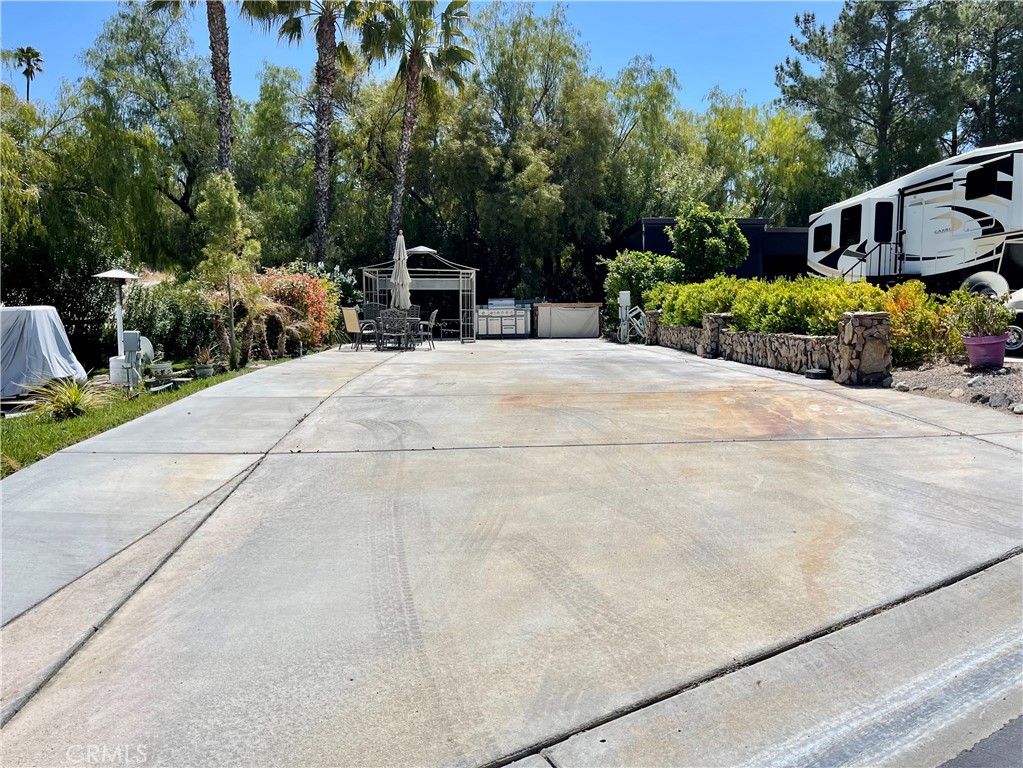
(445, 276)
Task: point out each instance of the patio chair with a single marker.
(415, 312)
(424, 332)
(352, 327)
(392, 329)
(371, 310)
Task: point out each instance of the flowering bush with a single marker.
(312, 299)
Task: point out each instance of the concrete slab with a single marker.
(39, 641)
(536, 368)
(912, 686)
(68, 513)
(314, 376)
(1006, 440)
(210, 424)
(424, 423)
(455, 607)
(962, 417)
(462, 605)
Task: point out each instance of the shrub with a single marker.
(706, 242)
(171, 315)
(687, 304)
(806, 305)
(66, 398)
(312, 299)
(919, 323)
(973, 314)
(638, 272)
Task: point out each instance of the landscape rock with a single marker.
(1018, 408)
(979, 397)
(902, 387)
(974, 381)
(999, 400)
(957, 392)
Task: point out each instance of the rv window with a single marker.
(849, 234)
(981, 182)
(822, 238)
(883, 215)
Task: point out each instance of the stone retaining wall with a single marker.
(859, 354)
(782, 351)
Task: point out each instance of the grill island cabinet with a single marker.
(568, 321)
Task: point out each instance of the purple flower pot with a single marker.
(986, 350)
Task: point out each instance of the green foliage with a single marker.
(230, 248)
(919, 323)
(972, 314)
(806, 305)
(174, 316)
(638, 272)
(881, 98)
(687, 304)
(66, 398)
(706, 242)
(767, 156)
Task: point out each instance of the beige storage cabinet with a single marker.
(568, 321)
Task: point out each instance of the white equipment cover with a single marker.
(400, 296)
(34, 348)
(568, 322)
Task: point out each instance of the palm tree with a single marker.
(325, 19)
(430, 54)
(32, 61)
(216, 21)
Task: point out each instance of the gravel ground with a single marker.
(1000, 388)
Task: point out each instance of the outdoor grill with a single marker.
(504, 319)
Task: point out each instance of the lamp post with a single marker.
(118, 277)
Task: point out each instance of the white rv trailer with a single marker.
(940, 224)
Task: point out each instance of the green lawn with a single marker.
(26, 439)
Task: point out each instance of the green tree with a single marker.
(767, 155)
(230, 248)
(32, 61)
(326, 19)
(646, 146)
(430, 53)
(274, 166)
(706, 242)
(881, 98)
(991, 34)
(216, 22)
(150, 110)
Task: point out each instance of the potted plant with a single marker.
(204, 358)
(983, 323)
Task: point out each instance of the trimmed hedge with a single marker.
(920, 323)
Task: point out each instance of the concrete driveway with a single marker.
(564, 552)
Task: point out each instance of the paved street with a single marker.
(568, 553)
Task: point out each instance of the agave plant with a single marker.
(66, 398)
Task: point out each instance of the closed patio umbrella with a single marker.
(400, 297)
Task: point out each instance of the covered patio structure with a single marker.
(436, 274)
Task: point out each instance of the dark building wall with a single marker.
(773, 252)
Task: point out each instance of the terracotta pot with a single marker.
(986, 350)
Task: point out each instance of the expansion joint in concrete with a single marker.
(540, 748)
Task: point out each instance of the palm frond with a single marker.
(291, 30)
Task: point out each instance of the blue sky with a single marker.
(731, 44)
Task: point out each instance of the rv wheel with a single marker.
(1015, 341)
(986, 284)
